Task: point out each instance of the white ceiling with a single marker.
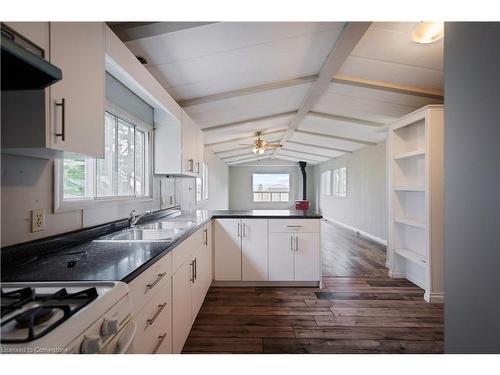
(216, 58)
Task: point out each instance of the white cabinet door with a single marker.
(307, 257)
(181, 306)
(281, 256)
(188, 145)
(207, 242)
(202, 272)
(227, 249)
(78, 49)
(254, 250)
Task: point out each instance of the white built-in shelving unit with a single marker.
(415, 146)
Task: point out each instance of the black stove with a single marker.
(27, 315)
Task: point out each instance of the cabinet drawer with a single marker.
(153, 322)
(187, 248)
(147, 284)
(294, 225)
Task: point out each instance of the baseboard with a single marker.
(396, 274)
(364, 234)
(434, 297)
(312, 284)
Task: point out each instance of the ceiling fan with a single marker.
(260, 146)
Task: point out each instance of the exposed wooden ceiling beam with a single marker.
(301, 156)
(307, 153)
(388, 86)
(331, 116)
(248, 90)
(348, 39)
(320, 147)
(230, 150)
(329, 136)
(247, 152)
(247, 121)
(244, 138)
(293, 158)
(255, 158)
(128, 31)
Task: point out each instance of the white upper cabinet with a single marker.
(69, 115)
(179, 147)
(77, 102)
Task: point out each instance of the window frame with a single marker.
(289, 192)
(203, 186)
(341, 174)
(74, 204)
(326, 181)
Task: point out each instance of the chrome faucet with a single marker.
(133, 219)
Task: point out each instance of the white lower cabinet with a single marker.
(227, 249)
(241, 250)
(294, 252)
(254, 250)
(154, 333)
(190, 284)
(182, 305)
(280, 256)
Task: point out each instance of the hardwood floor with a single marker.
(358, 310)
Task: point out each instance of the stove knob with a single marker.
(90, 345)
(109, 327)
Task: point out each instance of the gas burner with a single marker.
(39, 313)
(34, 317)
(16, 299)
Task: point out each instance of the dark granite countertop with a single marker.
(77, 257)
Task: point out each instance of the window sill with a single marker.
(77, 205)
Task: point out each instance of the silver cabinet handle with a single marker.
(191, 278)
(62, 104)
(294, 226)
(158, 312)
(291, 243)
(244, 230)
(205, 241)
(195, 269)
(239, 235)
(297, 243)
(161, 338)
(160, 276)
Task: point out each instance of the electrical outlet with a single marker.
(38, 220)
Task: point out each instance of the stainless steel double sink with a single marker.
(159, 231)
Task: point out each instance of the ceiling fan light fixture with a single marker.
(428, 32)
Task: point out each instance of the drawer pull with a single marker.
(195, 269)
(158, 312)
(205, 240)
(160, 276)
(294, 226)
(192, 276)
(161, 338)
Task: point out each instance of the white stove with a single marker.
(66, 317)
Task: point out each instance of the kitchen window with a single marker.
(202, 183)
(124, 171)
(271, 187)
(340, 182)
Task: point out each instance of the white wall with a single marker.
(365, 206)
(240, 184)
(472, 187)
(218, 183)
(27, 183)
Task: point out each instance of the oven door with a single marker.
(122, 343)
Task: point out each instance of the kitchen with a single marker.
(183, 190)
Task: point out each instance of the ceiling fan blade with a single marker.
(272, 145)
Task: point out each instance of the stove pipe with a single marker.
(302, 165)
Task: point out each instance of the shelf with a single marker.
(412, 222)
(410, 154)
(409, 188)
(412, 255)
